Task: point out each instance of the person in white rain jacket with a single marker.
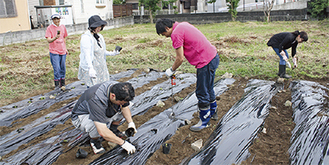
(93, 69)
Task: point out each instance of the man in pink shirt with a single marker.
(56, 35)
(191, 44)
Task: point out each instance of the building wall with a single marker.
(32, 10)
(84, 9)
(205, 18)
(251, 5)
(291, 5)
(35, 34)
(220, 5)
(132, 1)
(18, 23)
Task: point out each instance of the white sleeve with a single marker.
(112, 53)
(87, 52)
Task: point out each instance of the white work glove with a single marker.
(132, 125)
(169, 72)
(288, 63)
(128, 147)
(283, 54)
(112, 53)
(92, 73)
(294, 60)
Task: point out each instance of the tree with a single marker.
(175, 7)
(232, 5)
(268, 5)
(166, 3)
(318, 8)
(213, 4)
(151, 6)
(117, 2)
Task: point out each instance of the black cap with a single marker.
(96, 21)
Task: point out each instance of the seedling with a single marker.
(20, 130)
(166, 148)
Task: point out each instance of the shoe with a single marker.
(213, 110)
(56, 84)
(204, 116)
(97, 147)
(62, 81)
(282, 72)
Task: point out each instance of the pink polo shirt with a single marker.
(58, 46)
(197, 49)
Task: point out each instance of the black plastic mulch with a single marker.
(310, 137)
(237, 129)
(152, 134)
(13, 140)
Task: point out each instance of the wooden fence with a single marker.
(122, 10)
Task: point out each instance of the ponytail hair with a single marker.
(295, 32)
(302, 34)
(92, 30)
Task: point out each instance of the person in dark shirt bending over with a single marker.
(281, 42)
(99, 111)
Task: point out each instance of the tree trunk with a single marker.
(267, 9)
(233, 19)
(151, 17)
(268, 16)
(232, 15)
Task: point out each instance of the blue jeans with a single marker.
(205, 83)
(282, 61)
(58, 63)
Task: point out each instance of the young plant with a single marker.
(232, 5)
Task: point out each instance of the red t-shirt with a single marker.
(197, 49)
(58, 46)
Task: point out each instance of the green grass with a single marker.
(242, 47)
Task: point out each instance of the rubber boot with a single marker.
(204, 116)
(56, 84)
(282, 72)
(213, 110)
(62, 81)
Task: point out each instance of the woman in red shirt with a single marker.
(56, 35)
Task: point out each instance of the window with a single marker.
(98, 2)
(135, 6)
(7, 8)
(61, 2)
(187, 4)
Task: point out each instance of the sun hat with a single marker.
(55, 15)
(96, 21)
